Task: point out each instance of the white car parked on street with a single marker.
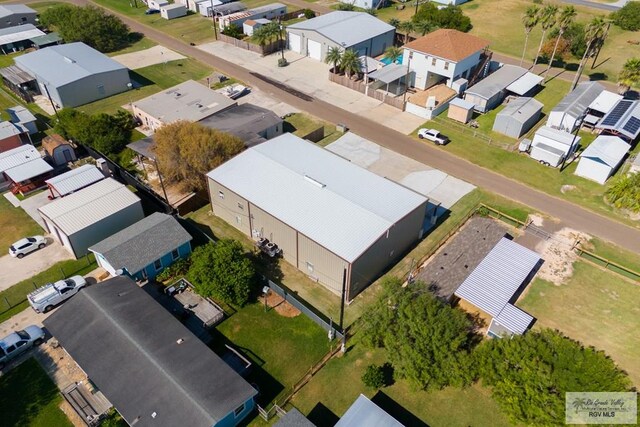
(27, 245)
(433, 135)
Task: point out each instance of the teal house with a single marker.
(142, 250)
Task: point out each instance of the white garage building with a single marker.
(358, 31)
(601, 158)
(550, 146)
(90, 215)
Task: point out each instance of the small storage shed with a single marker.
(365, 413)
(59, 149)
(601, 158)
(550, 146)
(19, 115)
(172, 11)
(460, 110)
(90, 215)
(518, 117)
(157, 4)
(489, 92)
(74, 180)
(10, 136)
(248, 27)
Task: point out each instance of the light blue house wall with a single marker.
(166, 261)
(232, 420)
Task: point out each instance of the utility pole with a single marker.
(406, 81)
(213, 19)
(55, 110)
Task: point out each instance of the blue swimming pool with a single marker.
(387, 61)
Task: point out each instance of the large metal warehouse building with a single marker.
(329, 216)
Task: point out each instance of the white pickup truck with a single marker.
(48, 296)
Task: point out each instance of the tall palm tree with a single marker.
(393, 53)
(529, 20)
(593, 32)
(350, 62)
(566, 18)
(406, 27)
(630, 75)
(424, 27)
(598, 45)
(334, 56)
(547, 21)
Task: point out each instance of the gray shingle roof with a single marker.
(294, 418)
(345, 28)
(245, 121)
(142, 243)
(127, 344)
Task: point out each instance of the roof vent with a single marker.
(180, 341)
(69, 60)
(314, 182)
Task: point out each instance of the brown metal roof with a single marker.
(448, 44)
(51, 142)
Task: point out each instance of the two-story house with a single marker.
(443, 56)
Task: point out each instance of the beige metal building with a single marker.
(329, 216)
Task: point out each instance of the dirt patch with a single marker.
(283, 308)
(558, 256)
(536, 220)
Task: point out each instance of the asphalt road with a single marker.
(570, 215)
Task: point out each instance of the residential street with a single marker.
(568, 213)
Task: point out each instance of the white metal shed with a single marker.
(601, 158)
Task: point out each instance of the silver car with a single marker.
(27, 245)
(18, 342)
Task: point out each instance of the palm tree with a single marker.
(630, 75)
(424, 27)
(350, 62)
(529, 20)
(566, 18)
(547, 21)
(593, 32)
(598, 45)
(406, 27)
(394, 22)
(334, 56)
(263, 35)
(393, 53)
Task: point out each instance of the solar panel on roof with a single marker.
(612, 118)
(632, 125)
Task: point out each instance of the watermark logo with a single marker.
(601, 408)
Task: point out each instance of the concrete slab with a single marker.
(144, 58)
(12, 199)
(264, 100)
(430, 182)
(31, 204)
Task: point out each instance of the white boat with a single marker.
(234, 91)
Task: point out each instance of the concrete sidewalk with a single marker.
(312, 78)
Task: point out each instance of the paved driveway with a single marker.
(14, 270)
(30, 206)
(144, 58)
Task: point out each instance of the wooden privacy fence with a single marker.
(360, 86)
(262, 50)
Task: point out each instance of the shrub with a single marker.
(282, 62)
(628, 17)
(346, 6)
(175, 270)
(308, 14)
(374, 377)
(233, 31)
(625, 192)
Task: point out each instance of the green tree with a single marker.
(186, 151)
(222, 270)
(547, 20)
(428, 342)
(351, 63)
(625, 192)
(88, 24)
(334, 56)
(530, 21)
(448, 17)
(594, 31)
(629, 75)
(394, 22)
(393, 53)
(424, 27)
(407, 28)
(529, 374)
(628, 17)
(267, 34)
(346, 6)
(374, 377)
(566, 18)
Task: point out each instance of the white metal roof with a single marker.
(345, 28)
(20, 114)
(19, 33)
(75, 179)
(497, 81)
(607, 149)
(8, 129)
(560, 136)
(389, 73)
(365, 413)
(605, 101)
(18, 156)
(498, 276)
(11, 9)
(89, 205)
(525, 83)
(514, 319)
(579, 99)
(459, 102)
(341, 206)
(521, 109)
(31, 169)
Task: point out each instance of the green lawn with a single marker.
(152, 79)
(339, 383)
(301, 124)
(28, 398)
(16, 295)
(595, 307)
(282, 349)
(15, 224)
(142, 44)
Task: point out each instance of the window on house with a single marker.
(446, 65)
(221, 194)
(157, 264)
(433, 61)
(239, 410)
(175, 254)
(309, 267)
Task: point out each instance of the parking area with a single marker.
(144, 58)
(31, 204)
(430, 182)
